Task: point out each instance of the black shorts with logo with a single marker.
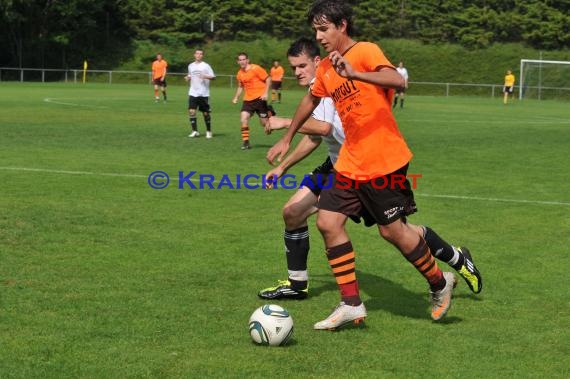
(256, 106)
(381, 201)
(160, 83)
(319, 177)
(199, 102)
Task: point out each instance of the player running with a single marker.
(304, 58)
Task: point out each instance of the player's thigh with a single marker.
(245, 117)
(301, 205)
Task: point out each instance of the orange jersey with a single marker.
(374, 145)
(159, 69)
(253, 82)
(277, 73)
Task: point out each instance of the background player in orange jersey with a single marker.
(276, 72)
(361, 82)
(159, 76)
(255, 83)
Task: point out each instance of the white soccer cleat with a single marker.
(194, 134)
(343, 314)
(441, 300)
(209, 135)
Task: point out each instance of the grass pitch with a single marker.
(102, 276)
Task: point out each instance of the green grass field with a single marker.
(102, 276)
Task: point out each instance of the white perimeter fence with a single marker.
(177, 78)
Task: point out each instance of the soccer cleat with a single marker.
(209, 135)
(342, 314)
(194, 134)
(245, 145)
(283, 290)
(469, 272)
(441, 300)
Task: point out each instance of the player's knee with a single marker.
(325, 226)
(292, 213)
(192, 112)
(392, 232)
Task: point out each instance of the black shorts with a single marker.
(319, 177)
(158, 82)
(276, 85)
(256, 106)
(200, 103)
(381, 201)
(507, 89)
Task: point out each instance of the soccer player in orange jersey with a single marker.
(254, 81)
(361, 82)
(276, 72)
(159, 76)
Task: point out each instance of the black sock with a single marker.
(297, 251)
(402, 103)
(207, 120)
(442, 250)
(193, 123)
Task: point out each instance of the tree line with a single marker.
(59, 34)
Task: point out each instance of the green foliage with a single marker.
(55, 34)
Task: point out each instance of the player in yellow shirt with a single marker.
(508, 87)
(159, 76)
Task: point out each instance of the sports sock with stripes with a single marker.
(297, 250)
(193, 123)
(342, 262)
(245, 133)
(425, 263)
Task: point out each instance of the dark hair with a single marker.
(333, 11)
(304, 46)
(244, 54)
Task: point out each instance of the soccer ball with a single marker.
(271, 325)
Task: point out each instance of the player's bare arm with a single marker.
(265, 95)
(303, 149)
(303, 112)
(312, 126)
(238, 94)
(384, 76)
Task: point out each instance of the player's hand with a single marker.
(263, 97)
(267, 127)
(279, 150)
(341, 65)
(272, 176)
(187, 78)
(235, 100)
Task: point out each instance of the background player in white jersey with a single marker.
(325, 125)
(400, 92)
(199, 75)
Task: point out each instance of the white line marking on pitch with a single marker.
(456, 197)
(54, 101)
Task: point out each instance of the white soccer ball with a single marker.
(271, 325)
